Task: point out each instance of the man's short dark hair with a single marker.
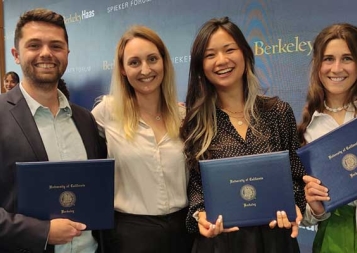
(42, 15)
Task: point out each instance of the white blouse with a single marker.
(150, 177)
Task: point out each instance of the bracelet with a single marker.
(317, 215)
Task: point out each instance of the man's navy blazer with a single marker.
(20, 141)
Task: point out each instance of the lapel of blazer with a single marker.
(22, 114)
(84, 127)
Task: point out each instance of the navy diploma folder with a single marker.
(248, 190)
(81, 191)
(332, 159)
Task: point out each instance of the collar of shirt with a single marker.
(317, 114)
(34, 105)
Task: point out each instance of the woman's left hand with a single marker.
(210, 230)
(283, 222)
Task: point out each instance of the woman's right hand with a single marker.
(210, 230)
(315, 193)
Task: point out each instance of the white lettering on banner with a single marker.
(118, 7)
(181, 59)
(126, 5)
(137, 2)
(79, 69)
(309, 228)
(77, 18)
(108, 65)
(87, 14)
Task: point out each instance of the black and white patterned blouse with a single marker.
(278, 124)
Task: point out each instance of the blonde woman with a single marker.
(140, 120)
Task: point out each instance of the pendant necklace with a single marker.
(157, 117)
(335, 109)
(239, 122)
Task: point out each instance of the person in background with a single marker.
(39, 124)
(331, 102)
(226, 117)
(11, 79)
(140, 120)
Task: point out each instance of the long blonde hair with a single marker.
(123, 100)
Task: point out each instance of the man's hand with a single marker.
(63, 231)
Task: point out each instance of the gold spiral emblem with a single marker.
(349, 162)
(248, 192)
(67, 199)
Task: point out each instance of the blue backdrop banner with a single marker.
(280, 33)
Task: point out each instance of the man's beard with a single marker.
(42, 81)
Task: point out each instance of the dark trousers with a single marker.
(258, 239)
(148, 234)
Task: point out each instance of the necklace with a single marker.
(239, 122)
(157, 117)
(232, 111)
(336, 109)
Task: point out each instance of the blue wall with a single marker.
(279, 31)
